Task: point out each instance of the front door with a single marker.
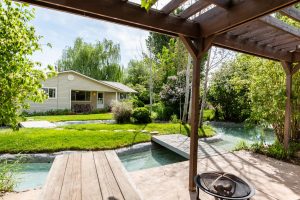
(100, 100)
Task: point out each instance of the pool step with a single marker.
(180, 144)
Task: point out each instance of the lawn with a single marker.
(84, 137)
(78, 117)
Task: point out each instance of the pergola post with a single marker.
(287, 66)
(197, 48)
(289, 72)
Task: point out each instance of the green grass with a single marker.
(85, 137)
(78, 117)
(162, 128)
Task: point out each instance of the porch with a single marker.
(83, 101)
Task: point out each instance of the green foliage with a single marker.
(174, 119)
(100, 60)
(208, 115)
(7, 175)
(19, 76)
(241, 145)
(76, 117)
(137, 103)
(162, 112)
(141, 115)
(147, 4)
(156, 42)
(49, 112)
(228, 91)
(122, 111)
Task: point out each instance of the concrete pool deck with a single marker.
(273, 179)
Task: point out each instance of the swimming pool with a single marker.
(147, 157)
(231, 134)
(32, 175)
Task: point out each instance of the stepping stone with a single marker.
(144, 131)
(154, 133)
(131, 130)
(117, 130)
(37, 124)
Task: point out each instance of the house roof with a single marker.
(115, 85)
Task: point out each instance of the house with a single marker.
(80, 93)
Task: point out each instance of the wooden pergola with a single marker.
(241, 25)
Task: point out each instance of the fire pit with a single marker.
(223, 186)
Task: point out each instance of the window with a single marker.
(51, 92)
(80, 96)
(123, 96)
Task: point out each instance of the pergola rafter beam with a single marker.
(194, 8)
(219, 20)
(291, 12)
(125, 13)
(232, 42)
(280, 25)
(172, 5)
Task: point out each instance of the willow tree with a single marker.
(19, 76)
(100, 60)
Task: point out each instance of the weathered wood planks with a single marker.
(88, 176)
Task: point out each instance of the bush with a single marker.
(137, 103)
(174, 119)
(122, 111)
(7, 175)
(49, 112)
(141, 115)
(162, 112)
(208, 115)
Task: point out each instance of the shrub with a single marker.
(7, 175)
(174, 119)
(122, 111)
(208, 115)
(162, 112)
(49, 112)
(141, 115)
(137, 103)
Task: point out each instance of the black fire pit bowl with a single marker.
(224, 186)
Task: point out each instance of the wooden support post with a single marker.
(197, 49)
(287, 66)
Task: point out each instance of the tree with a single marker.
(267, 95)
(20, 77)
(99, 60)
(216, 56)
(228, 92)
(156, 41)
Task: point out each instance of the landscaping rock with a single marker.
(144, 131)
(297, 154)
(131, 130)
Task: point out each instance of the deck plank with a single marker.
(71, 188)
(119, 172)
(108, 184)
(52, 188)
(90, 184)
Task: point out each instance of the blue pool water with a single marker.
(32, 175)
(231, 134)
(152, 156)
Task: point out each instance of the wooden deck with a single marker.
(88, 176)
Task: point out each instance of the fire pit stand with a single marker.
(224, 186)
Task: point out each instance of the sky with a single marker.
(61, 29)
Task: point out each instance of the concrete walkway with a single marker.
(273, 180)
(37, 124)
(181, 145)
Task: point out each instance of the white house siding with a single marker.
(63, 91)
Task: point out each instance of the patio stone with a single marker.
(154, 132)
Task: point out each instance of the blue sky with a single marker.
(60, 30)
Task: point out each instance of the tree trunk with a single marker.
(203, 101)
(187, 90)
